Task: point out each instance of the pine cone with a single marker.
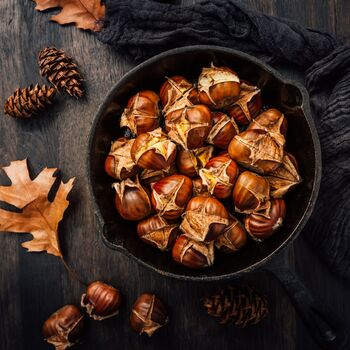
(240, 304)
(29, 101)
(60, 71)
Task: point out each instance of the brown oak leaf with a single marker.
(38, 216)
(86, 14)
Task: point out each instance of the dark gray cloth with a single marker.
(141, 28)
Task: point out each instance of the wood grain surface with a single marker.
(32, 286)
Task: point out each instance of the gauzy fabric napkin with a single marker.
(142, 28)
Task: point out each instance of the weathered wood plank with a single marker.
(342, 17)
(32, 286)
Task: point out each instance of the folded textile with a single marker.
(141, 29)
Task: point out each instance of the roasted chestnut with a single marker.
(170, 195)
(119, 163)
(251, 193)
(256, 150)
(149, 176)
(218, 87)
(132, 200)
(64, 327)
(223, 130)
(142, 113)
(205, 219)
(189, 127)
(190, 162)
(273, 122)
(101, 301)
(284, 177)
(158, 232)
(193, 254)
(199, 189)
(233, 238)
(219, 175)
(247, 106)
(261, 226)
(148, 314)
(153, 150)
(173, 89)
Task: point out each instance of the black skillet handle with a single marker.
(322, 326)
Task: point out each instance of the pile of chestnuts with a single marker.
(65, 326)
(198, 158)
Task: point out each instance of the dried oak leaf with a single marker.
(86, 14)
(38, 215)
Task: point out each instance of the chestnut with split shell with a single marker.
(247, 106)
(262, 225)
(142, 113)
(119, 163)
(274, 123)
(101, 301)
(219, 176)
(64, 327)
(132, 200)
(218, 87)
(233, 238)
(223, 130)
(153, 150)
(170, 195)
(172, 90)
(256, 150)
(205, 219)
(158, 232)
(193, 254)
(148, 314)
(189, 127)
(251, 193)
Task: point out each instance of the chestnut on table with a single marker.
(194, 167)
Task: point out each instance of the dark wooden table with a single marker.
(34, 285)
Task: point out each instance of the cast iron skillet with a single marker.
(302, 140)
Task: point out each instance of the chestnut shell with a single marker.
(251, 193)
(142, 113)
(223, 130)
(233, 238)
(132, 200)
(173, 89)
(148, 314)
(261, 226)
(189, 127)
(218, 87)
(119, 163)
(247, 106)
(158, 232)
(153, 150)
(64, 327)
(219, 175)
(205, 219)
(171, 194)
(193, 254)
(101, 300)
(256, 150)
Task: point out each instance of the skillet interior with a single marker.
(302, 141)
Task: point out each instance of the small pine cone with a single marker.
(241, 305)
(29, 101)
(60, 71)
